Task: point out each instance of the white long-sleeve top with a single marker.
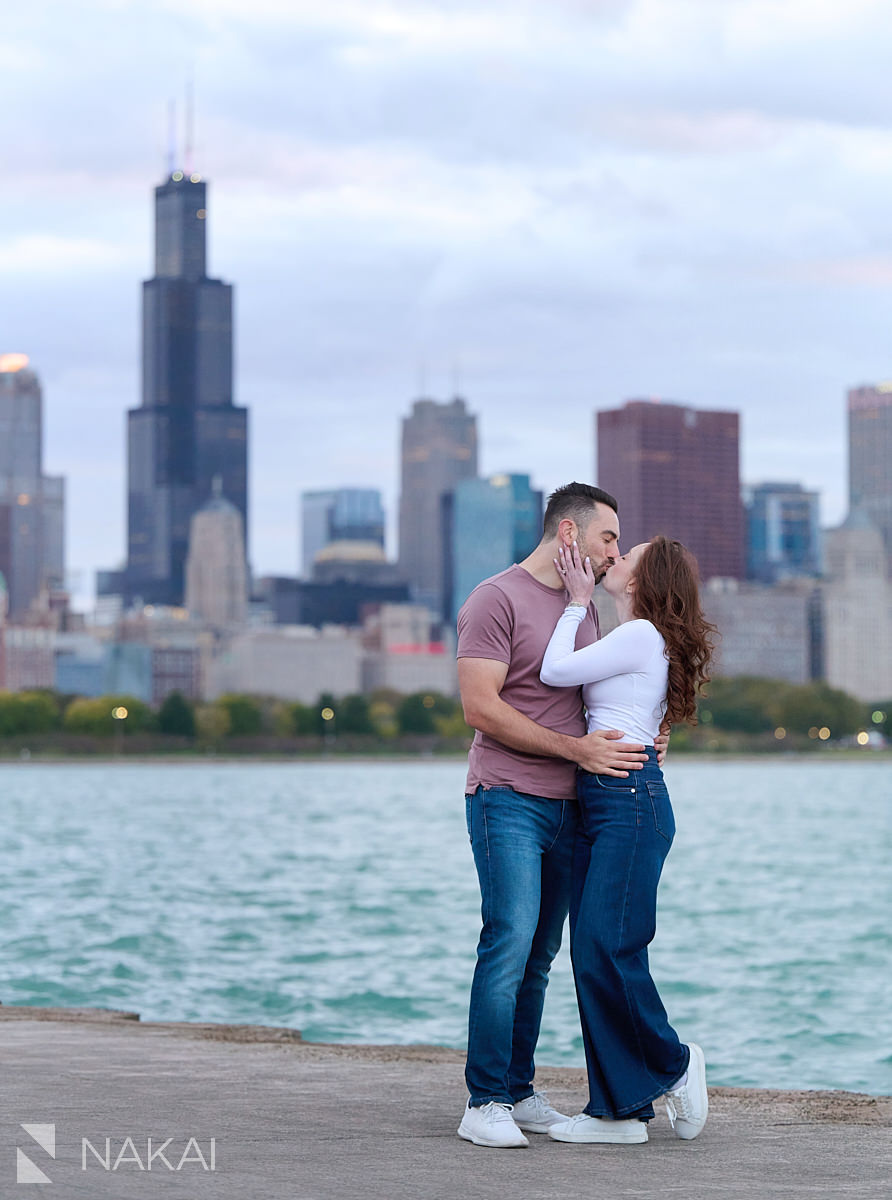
(623, 676)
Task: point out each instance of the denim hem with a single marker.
(479, 1102)
(525, 1096)
(633, 1108)
(609, 1116)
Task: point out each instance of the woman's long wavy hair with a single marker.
(667, 593)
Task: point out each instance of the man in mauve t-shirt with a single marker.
(521, 805)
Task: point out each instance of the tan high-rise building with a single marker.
(858, 610)
(870, 455)
(216, 570)
(32, 505)
(439, 448)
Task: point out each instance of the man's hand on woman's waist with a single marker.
(601, 753)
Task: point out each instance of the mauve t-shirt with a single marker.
(510, 618)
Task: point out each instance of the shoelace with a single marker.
(497, 1112)
(540, 1103)
(678, 1104)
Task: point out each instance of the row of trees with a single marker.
(743, 706)
(384, 715)
(748, 704)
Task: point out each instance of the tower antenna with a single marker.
(456, 377)
(190, 120)
(171, 136)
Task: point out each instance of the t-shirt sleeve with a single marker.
(485, 625)
(628, 648)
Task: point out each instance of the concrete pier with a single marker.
(257, 1112)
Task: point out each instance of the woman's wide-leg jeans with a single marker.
(625, 830)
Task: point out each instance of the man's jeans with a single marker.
(632, 1053)
(523, 848)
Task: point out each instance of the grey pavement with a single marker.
(271, 1116)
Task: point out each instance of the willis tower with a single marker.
(187, 431)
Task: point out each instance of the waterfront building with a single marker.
(488, 525)
(32, 504)
(289, 662)
(187, 430)
(870, 456)
(783, 532)
(28, 657)
(402, 653)
(763, 630)
(438, 450)
(339, 515)
(858, 610)
(675, 470)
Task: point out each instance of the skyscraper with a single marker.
(216, 571)
(32, 505)
(783, 532)
(676, 470)
(870, 455)
(339, 515)
(491, 523)
(439, 448)
(187, 430)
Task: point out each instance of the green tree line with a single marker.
(382, 715)
(754, 707)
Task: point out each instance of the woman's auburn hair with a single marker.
(667, 593)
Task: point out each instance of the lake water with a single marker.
(340, 898)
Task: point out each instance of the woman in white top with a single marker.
(646, 672)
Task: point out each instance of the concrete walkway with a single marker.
(275, 1118)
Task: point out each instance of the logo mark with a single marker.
(27, 1171)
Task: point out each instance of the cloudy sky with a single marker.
(549, 206)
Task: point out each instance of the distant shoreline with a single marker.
(203, 758)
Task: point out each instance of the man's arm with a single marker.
(480, 682)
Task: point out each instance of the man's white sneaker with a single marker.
(584, 1128)
(535, 1114)
(491, 1125)
(688, 1105)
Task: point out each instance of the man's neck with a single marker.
(540, 564)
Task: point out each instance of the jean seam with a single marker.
(653, 808)
(629, 1006)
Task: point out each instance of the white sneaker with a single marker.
(491, 1125)
(583, 1128)
(535, 1114)
(688, 1105)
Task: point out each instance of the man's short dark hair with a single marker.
(576, 501)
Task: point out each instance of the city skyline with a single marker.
(547, 211)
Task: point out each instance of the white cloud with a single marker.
(565, 203)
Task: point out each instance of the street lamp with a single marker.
(328, 716)
(120, 714)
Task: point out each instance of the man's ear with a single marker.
(567, 531)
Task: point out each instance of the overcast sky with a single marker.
(549, 206)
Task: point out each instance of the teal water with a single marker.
(341, 899)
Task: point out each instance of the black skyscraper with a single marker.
(187, 430)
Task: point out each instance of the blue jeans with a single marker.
(632, 1053)
(523, 847)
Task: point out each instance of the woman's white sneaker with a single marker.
(491, 1125)
(688, 1105)
(583, 1128)
(535, 1115)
